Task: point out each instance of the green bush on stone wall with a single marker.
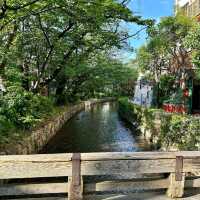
(24, 109)
(176, 130)
(129, 111)
(182, 131)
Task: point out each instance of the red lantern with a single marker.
(186, 92)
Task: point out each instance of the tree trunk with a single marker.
(59, 93)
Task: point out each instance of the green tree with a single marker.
(192, 42)
(165, 49)
(60, 48)
(98, 77)
(166, 53)
(43, 37)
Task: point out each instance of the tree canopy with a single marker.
(62, 49)
(165, 49)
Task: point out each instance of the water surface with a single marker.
(97, 129)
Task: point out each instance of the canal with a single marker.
(96, 129)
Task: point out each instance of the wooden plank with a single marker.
(126, 186)
(189, 154)
(10, 170)
(192, 165)
(17, 170)
(34, 166)
(56, 165)
(28, 189)
(127, 156)
(179, 168)
(75, 182)
(127, 167)
(37, 158)
(104, 186)
(177, 180)
(100, 156)
(138, 155)
(195, 183)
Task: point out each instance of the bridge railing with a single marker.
(175, 165)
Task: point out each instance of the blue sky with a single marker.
(147, 9)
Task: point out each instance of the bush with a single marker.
(176, 130)
(23, 109)
(129, 111)
(182, 131)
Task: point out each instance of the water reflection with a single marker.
(94, 130)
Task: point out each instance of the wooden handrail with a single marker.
(75, 166)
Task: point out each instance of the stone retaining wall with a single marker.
(39, 138)
(146, 121)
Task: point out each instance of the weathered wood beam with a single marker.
(37, 169)
(37, 158)
(104, 156)
(177, 180)
(179, 168)
(30, 189)
(127, 167)
(126, 186)
(33, 166)
(102, 186)
(76, 180)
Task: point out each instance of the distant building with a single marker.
(190, 7)
(143, 92)
(2, 88)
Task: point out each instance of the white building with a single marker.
(2, 88)
(143, 92)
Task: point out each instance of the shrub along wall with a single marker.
(165, 130)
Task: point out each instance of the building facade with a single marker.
(190, 88)
(190, 7)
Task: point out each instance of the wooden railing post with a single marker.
(177, 180)
(75, 182)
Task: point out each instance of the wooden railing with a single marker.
(126, 167)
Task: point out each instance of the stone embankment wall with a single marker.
(146, 121)
(37, 139)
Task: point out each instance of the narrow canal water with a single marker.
(97, 129)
